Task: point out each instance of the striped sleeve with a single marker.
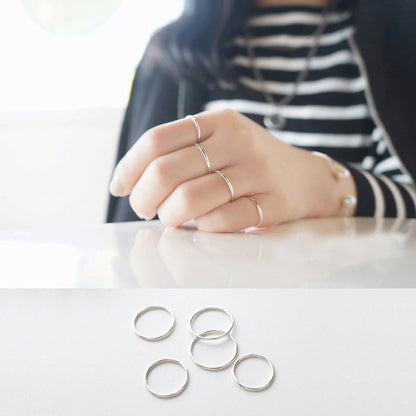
(328, 112)
(383, 189)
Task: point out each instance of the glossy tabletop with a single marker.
(335, 252)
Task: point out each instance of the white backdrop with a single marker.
(56, 165)
(61, 105)
(336, 352)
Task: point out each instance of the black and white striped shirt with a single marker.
(330, 112)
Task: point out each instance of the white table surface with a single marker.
(336, 352)
(337, 252)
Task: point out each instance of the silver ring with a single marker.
(196, 125)
(204, 153)
(167, 395)
(260, 388)
(219, 367)
(211, 309)
(227, 181)
(259, 210)
(159, 337)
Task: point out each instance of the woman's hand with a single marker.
(165, 174)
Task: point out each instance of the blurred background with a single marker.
(66, 69)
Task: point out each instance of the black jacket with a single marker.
(384, 40)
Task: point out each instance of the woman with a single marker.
(308, 113)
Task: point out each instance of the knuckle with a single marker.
(154, 139)
(187, 195)
(160, 169)
(230, 114)
(179, 207)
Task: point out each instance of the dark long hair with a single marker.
(193, 45)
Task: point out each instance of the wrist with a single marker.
(335, 193)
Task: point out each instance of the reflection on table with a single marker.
(335, 252)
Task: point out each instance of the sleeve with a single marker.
(153, 101)
(383, 188)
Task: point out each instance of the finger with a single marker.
(153, 143)
(167, 172)
(238, 215)
(199, 196)
(157, 142)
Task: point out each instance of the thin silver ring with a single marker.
(249, 388)
(196, 125)
(259, 210)
(219, 367)
(159, 337)
(168, 395)
(204, 153)
(211, 309)
(227, 181)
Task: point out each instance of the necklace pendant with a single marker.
(274, 121)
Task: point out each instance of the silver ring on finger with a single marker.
(259, 210)
(227, 181)
(204, 153)
(198, 130)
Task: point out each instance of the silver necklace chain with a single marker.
(276, 120)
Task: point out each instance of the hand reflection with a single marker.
(145, 261)
(334, 252)
(185, 257)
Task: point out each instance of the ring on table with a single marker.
(249, 388)
(157, 364)
(259, 210)
(227, 181)
(211, 309)
(218, 367)
(198, 130)
(159, 337)
(204, 153)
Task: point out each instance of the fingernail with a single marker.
(115, 187)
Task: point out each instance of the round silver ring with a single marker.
(227, 181)
(167, 395)
(159, 337)
(198, 130)
(211, 309)
(219, 367)
(204, 153)
(249, 388)
(259, 210)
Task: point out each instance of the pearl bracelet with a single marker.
(348, 202)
